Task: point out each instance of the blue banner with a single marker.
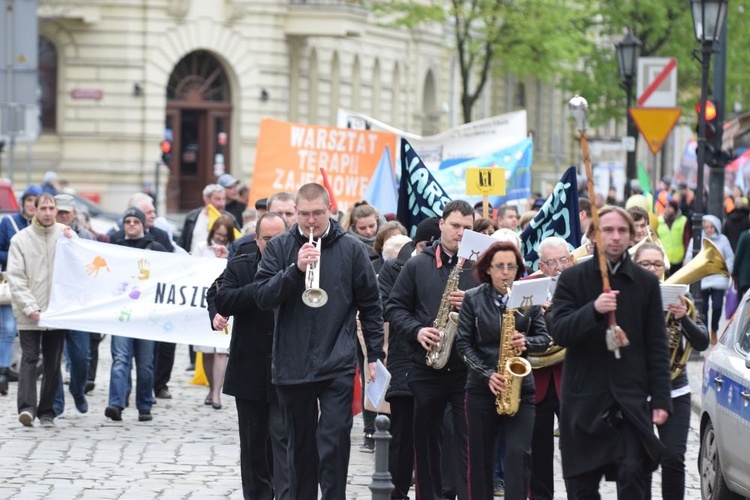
(516, 160)
(557, 217)
(419, 195)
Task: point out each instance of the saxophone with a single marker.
(512, 365)
(446, 321)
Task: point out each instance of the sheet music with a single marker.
(473, 244)
(529, 293)
(670, 294)
(377, 388)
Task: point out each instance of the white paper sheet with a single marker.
(670, 294)
(377, 388)
(473, 244)
(529, 293)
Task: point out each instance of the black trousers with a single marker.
(401, 450)
(630, 471)
(163, 363)
(674, 433)
(50, 344)
(543, 446)
(433, 390)
(368, 417)
(94, 340)
(263, 457)
(485, 427)
(318, 422)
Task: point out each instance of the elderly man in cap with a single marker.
(232, 188)
(124, 349)
(76, 348)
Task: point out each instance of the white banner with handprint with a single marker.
(104, 288)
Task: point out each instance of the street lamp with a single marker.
(628, 51)
(708, 20)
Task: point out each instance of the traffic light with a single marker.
(712, 127)
(166, 152)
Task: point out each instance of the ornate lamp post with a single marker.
(628, 51)
(708, 20)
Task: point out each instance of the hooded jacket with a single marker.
(30, 262)
(7, 231)
(737, 221)
(715, 281)
(314, 344)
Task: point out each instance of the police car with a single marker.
(724, 459)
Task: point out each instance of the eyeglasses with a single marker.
(553, 263)
(505, 267)
(656, 264)
(266, 238)
(316, 214)
(132, 221)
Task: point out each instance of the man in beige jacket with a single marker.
(30, 260)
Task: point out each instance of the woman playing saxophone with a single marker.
(674, 432)
(477, 341)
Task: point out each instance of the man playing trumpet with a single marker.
(314, 347)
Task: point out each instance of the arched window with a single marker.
(48, 85)
(198, 77)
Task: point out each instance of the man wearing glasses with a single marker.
(606, 423)
(554, 257)
(314, 347)
(412, 307)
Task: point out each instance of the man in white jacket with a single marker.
(30, 260)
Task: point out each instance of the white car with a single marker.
(724, 458)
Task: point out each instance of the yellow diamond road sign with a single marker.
(655, 124)
(485, 181)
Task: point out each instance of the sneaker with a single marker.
(163, 393)
(499, 489)
(89, 386)
(144, 416)
(368, 446)
(81, 404)
(47, 422)
(26, 418)
(113, 412)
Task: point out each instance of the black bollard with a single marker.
(381, 485)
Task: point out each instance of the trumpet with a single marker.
(314, 296)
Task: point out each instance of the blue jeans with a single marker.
(124, 349)
(77, 348)
(7, 334)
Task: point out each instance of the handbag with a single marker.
(4, 290)
(732, 301)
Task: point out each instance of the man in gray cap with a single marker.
(232, 188)
(76, 342)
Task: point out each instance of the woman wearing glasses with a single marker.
(674, 432)
(478, 342)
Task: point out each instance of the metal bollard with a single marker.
(381, 485)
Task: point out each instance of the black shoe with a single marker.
(4, 381)
(144, 416)
(163, 393)
(216, 406)
(190, 368)
(127, 399)
(81, 404)
(113, 412)
(368, 446)
(89, 386)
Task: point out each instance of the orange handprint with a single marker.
(96, 264)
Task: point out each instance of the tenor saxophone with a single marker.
(512, 365)
(446, 322)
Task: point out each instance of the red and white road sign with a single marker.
(657, 82)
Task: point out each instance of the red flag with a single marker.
(334, 207)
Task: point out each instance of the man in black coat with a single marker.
(263, 458)
(606, 423)
(314, 348)
(412, 307)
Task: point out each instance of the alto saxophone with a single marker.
(446, 322)
(511, 364)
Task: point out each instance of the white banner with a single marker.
(105, 288)
(456, 145)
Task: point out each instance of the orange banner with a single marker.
(292, 154)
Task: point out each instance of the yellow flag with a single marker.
(214, 214)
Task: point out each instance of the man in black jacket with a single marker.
(606, 421)
(314, 348)
(263, 459)
(412, 307)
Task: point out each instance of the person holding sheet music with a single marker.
(674, 432)
(479, 343)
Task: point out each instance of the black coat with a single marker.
(186, 237)
(415, 299)
(478, 338)
(314, 344)
(158, 235)
(595, 384)
(248, 373)
(145, 243)
(737, 221)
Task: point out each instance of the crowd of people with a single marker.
(394, 298)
